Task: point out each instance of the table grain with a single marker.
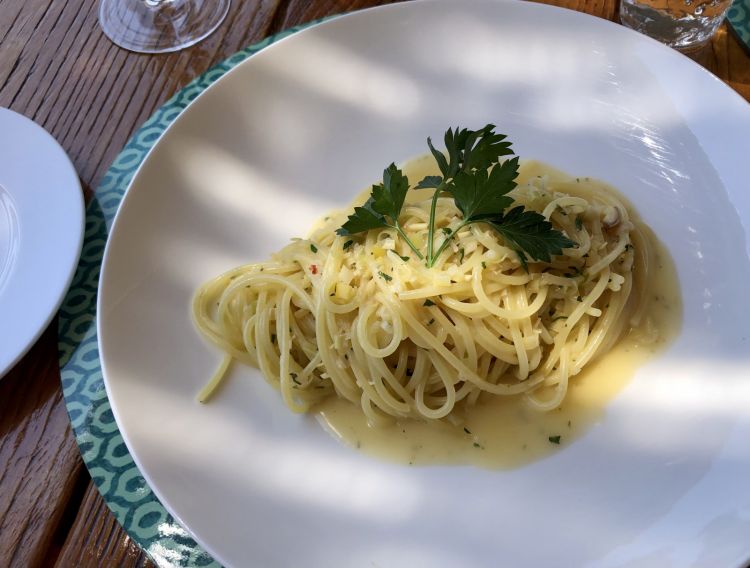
(58, 68)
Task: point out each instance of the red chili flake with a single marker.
(314, 268)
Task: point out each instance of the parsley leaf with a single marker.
(467, 150)
(363, 219)
(440, 158)
(482, 198)
(470, 150)
(429, 182)
(489, 147)
(386, 201)
(479, 193)
(529, 233)
(554, 439)
(388, 197)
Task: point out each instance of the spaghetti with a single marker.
(360, 317)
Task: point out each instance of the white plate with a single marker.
(302, 126)
(41, 231)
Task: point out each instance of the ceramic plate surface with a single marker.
(298, 129)
(41, 230)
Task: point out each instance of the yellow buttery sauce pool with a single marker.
(502, 432)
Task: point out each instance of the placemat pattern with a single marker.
(739, 19)
(111, 466)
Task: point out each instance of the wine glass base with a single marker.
(160, 26)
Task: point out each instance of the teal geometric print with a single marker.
(111, 466)
(739, 18)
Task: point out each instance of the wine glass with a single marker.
(159, 26)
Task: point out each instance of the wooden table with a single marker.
(57, 68)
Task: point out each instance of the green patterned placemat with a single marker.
(111, 466)
(739, 19)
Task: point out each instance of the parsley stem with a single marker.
(431, 227)
(408, 241)
(445, 243)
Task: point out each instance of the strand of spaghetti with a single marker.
(501, 312)
(450, 398)
(208, 390)
(463, 371)
(341, 377)
(571, 321)
(641, 268)
(371, 381)
(559, 391)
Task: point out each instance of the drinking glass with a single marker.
(159, 26)
(683, 24)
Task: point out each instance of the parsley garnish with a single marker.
(347, 244)
(479, 184)
(384, 276)
(480, 194)
(554, 439)
(404, 258)
(386, 201)
(579, 223)
(428, 303)
(530, 234)
(313, 248)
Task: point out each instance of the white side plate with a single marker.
(41, 231)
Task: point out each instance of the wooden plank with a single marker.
(607, 9)
(729, 60)
(39, 457)
(97, 539)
